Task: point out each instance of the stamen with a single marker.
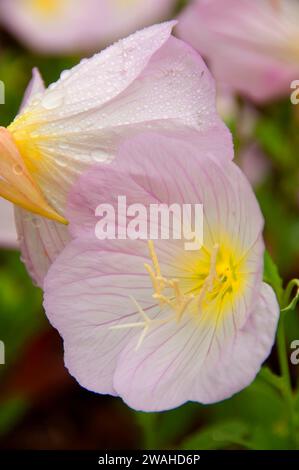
(145, 324)
(216, 284)
(209, 281)
(154, 257)
(179, 302)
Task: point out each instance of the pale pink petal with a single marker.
(248, 43)
(103, 76)
(36, 86)
(231, 211)
(181, 363)
(78, 25)
(234, 368)
(88, 288)
(147, 81)
(40, 239)
(87, 291)
(8, 235)
(150, 163)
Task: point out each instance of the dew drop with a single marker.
(99, 156)
(65, 74)
(18, 170)
(52, 100)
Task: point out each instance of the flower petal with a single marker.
(40, 239)
(178, 364)
(70, 26)
(35, 87)
(234, 368)
(231, 212)
(78, 26)
(145, 169)
(250, 44)
(147, 81)
(87, 291)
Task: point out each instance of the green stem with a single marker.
(286, 298)
(286, 385)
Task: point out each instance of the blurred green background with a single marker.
(42, 407)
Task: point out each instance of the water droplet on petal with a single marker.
(52, 100)
(18, 170)
(65, 74)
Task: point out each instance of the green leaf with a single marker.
(271, 275)
(262, 408)
(148, 423)
(271, 378)
(11, 411)
(20, 307)
(163, 430)
(274, 142)
(218, 436)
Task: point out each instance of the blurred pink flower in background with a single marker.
(251, 45)
(149, 321)
(254, 164)
(226, 103)
(8, 234)
(65, 26)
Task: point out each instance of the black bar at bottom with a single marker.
(133, 459)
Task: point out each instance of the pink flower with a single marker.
(8, 235)
(254, 164)
(251, 45)
(149, 80)
(64, 26)
(149, 321)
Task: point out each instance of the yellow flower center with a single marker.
(46, 9)
(210, 287)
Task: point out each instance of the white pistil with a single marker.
(145, 324)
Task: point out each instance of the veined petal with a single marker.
(168, 313)
(232, 218)
(148, 80)
(87, 291)
(233, 368)
(92, 288)
(181, 364)
(144, 171)
(40, 239)
(160, 376)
